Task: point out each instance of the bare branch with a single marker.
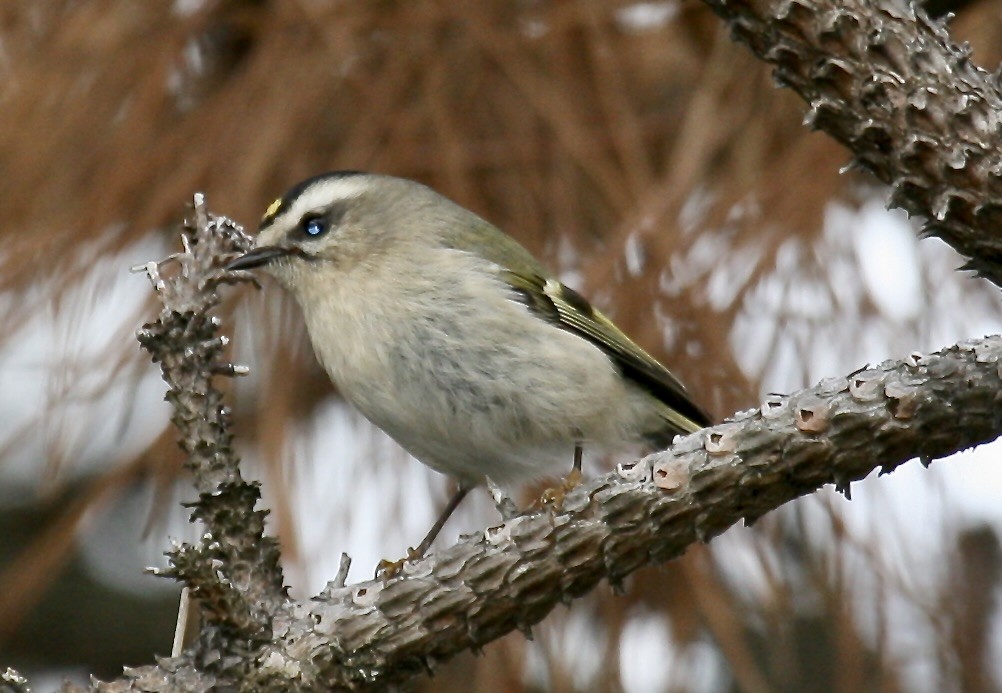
(376, 633)
(886, 81)
(512, 576)
(234, 570)
(11, 681)
(883, 80)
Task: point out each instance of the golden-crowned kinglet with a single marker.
(452, 338)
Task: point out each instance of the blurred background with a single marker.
(653, 165)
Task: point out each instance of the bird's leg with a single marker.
(388, 569)
(574, 478)
(554, 496)
(450, 508)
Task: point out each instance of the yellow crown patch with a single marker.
(272, 210)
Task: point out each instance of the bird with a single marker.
(452, 338)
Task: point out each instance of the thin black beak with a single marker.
(256, 258)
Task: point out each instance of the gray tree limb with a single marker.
(234, 571)
(512, 576)
(376, 633)
(912, 108)
(886, 81)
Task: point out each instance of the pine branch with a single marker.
(886, 81)
(377, 633)
(883, 80)
(233, 572)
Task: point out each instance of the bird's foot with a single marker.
(553, 497)
(387, 570)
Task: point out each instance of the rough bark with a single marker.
(376, 633)
(886, 81)
(911, 107)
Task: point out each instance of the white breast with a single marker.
(463, 376)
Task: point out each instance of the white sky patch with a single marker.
(751, 337)
(582, 647)
(694, 211)
(186, 8)
(745, 563)
(647, 655)
(635, 255)
(995, 663)
(886, 248)
(534, 29)
(910, 518)
(567, 257)
(59, 380)
(729, 278)
(113, 549)
(891, 554)
(976, 476)
(812, 315)
(706, 253)
(574, 279)
(536, 668)
(646, 16)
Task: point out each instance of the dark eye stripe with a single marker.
(295, 192)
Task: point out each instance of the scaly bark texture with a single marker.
(511, 577)
(234, 571)
(879, 77)
(886, 81)
(377, 633)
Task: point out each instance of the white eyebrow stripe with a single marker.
(325, 192)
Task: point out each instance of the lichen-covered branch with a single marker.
(886, 81)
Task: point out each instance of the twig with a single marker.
(233, 572)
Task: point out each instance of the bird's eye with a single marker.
(312, 226)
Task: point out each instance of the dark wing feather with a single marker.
(567, 308)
